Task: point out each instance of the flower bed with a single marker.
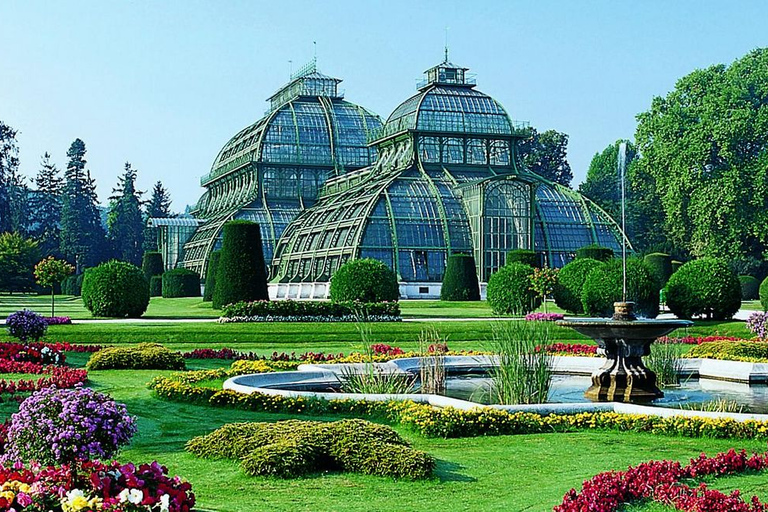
(747, 351)
(310, 311)
(449, 422)
(696, 340)
(57, 320)
(93, 486)
(661, 481)
(62, 377)
(757, 323)
(571, 349)
(544, 317)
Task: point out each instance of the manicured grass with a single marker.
(493, 473)
(754, 305)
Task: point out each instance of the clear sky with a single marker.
(165, 84)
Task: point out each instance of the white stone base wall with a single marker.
(298, 291)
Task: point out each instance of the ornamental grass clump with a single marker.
(523, 374)
(664, 360)
(26, 325)
(62, 426)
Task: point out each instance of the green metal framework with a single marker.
(273, 169)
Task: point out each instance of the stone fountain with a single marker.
(623, 339)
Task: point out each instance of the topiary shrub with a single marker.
(524, 256)
(460, 279)
(144, 356)
(660, 265)
(210, 276)
(61, 426)
(750, 288)
(509, 290)
(26, 325)
(364, 280)
(241, 273)
(705, 286)
(293, 448)
(604, 286)
(152, 264)
(764, 294)
(156, 286)
(571, 279)
(181, 282)
(115, 289)
(595, 252)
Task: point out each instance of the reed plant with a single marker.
(432, 372)
(664, 360)
(524, 372)
(717, 405)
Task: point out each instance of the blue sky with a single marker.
(165, 84)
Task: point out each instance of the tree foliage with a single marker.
(125, 223)
(46, 206)
(49, 272)
(546, 154)
(704, 156)
(158, 207)
(17, 260)
(602, 182)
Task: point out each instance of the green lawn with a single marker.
(753, 305)
(493, 473)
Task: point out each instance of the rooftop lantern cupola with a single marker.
(447, 73)
(307, 81)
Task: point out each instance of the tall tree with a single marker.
(125, 223)
(82, 238)
(546, 154)
(9, 164)
(46, 207)
(158, 207)
(704, 155)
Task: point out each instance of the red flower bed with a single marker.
(59, 376)
(570, 349)
(697, 340)
(661, 481)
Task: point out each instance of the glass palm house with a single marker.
(328, 182)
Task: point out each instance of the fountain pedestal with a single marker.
(623, 341)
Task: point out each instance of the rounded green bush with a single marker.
(704, 287)
(764, 294)
(570, 281)
(750, 288)
(660, 265)
(181, 282)
(241, 274)
(509, 290)
(460, 279)
(156, 286)
(152, 264)
(604, 286)
(364, 280)
(595, 252)
(115, 289)
(144, 356)
(210, 276)
(524, 256)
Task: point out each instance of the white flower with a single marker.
(136, 496)
(75, 493)
(164, 503)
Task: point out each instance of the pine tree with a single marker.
(46, 207)
(126, 227)
(159, 207)
(82, 238)
(9, 164)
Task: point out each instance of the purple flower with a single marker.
(26, 324)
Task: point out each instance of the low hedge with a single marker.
(181, 282)
(156, 286)
(748, 351)
(449, 422)
(293, 448)
(310, 311)
(595, 252)
(144, 356)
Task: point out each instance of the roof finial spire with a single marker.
(290, 69)
(314, 51)
(446, 44)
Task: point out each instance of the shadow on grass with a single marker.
(447, 471)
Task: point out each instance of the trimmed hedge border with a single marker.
(450, 422)
(144, 356)
(310, 311)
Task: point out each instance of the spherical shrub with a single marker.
(660, 265)
(115, 289)
(764, 294)
(595, 252)
(604, 286)
(26, 325)
(152, 264)
(144, 356)
(364, 280)
(156, 286)
(210, 276)
(509, 290)
(750, 288)
(571, 279)
(704, 287)
(524, 256)
(460, 279)
(59, 426)
(181, 282)
(241, 273)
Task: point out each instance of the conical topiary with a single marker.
(241, 274)
(460, 279)
(210, 276)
